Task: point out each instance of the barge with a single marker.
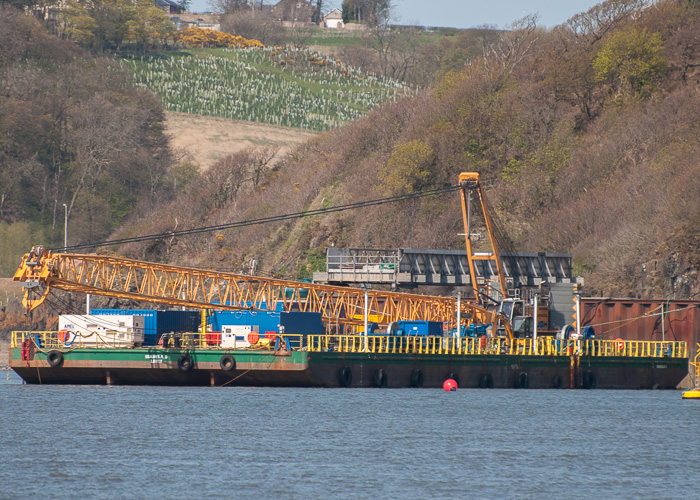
(518, 344)
(357, 361)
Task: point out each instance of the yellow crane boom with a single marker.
(42, 271)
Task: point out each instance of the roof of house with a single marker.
(167, 3)
(334, 14)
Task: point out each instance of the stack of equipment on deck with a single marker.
(91, 330)
(158, 322)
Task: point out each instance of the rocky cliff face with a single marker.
(673, 271)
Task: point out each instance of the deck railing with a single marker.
(525, 347)
(543, 346)
(47, 340)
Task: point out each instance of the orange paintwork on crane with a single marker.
(42, 271)
(469, 182)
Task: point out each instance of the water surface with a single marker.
(65, 442)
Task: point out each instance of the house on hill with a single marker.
(182, 19)
(195, 20)
(299, 11)
(334, 19)
(169, 6)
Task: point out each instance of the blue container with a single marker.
(301, 323)
(421, 328)
(158, 322)
(266, 321)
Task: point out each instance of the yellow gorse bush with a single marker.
(201, 38)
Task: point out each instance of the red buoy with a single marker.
(449, 385)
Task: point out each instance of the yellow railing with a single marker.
(696, 367)
(47, 340)
(546, 346)
(526, 347)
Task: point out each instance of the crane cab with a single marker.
(513, 310)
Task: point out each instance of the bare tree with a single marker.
(102, 135)
(255, 25)
(513, 45)
(261, 163)
(298, 36)
(231, 6)
(227, 176)
(597, 21)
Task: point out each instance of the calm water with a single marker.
(154, 442)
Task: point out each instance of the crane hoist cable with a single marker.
(264, 220)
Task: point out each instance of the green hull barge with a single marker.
(360, 361)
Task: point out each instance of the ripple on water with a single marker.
(168, 442)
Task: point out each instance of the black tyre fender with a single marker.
(522, 381)
(556, 382)
(345, 376)
(486, 381)
(227, 363)
(185, 363)
(417, 378)
(380, 378)
(54, 358)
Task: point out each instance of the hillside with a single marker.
(83, 132)
(206, 139)
(586, 135)
(77, 141)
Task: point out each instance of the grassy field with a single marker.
(331, 39)
(278, 86)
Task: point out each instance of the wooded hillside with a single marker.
(75, 131)
(587, 135)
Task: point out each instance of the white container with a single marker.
(236, 336)
(102, 330)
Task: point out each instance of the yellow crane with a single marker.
(42, 271)
(470, 184)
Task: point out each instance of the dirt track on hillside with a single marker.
(205, 139)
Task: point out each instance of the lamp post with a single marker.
(366, 287)
(458, 332)
(534, 320)
(65, 227)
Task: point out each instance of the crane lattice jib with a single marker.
(469, 182)
(41, 271)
